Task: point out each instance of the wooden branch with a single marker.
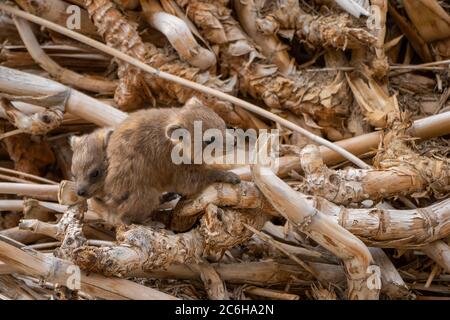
(32, 190)
(178, 34)
(392, 283)
(28, 176)
(270, 294)
(271, 46)
(439, 251)
(206, 90)
(386, 228)
(55, 270)
(66, 76)
(433, 126)
(22, 236)
(20, 84)
(400, 178)
(241, 196)
(18, 205)
(310, 220)
(214, 285)
(218, 231)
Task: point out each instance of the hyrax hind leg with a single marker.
(137, 207)
(193, 183)
(223, 176)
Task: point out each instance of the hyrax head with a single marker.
(199, 128)
(89, 162)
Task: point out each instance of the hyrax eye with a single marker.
(94, 174)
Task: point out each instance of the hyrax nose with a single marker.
(81, 192)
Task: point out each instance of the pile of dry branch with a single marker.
(370, 76)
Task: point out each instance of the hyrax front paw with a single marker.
(232, 178)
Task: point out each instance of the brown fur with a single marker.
(139, 164)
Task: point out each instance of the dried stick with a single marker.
(141, 249)
(178, 34)
(268, 239)
(206, 90)
(256, 273)
(392, 283)
(66, 76)
(27, 175)
(396, 178)
(18, 205)
(429, 127)
(26, 86)
(416, 41)
(214, 285)
(271, 294)
(439, 251)
(39, 265)
(332, 30)
(387, 228)
(22, 236)
(33, 190)
(270, 45)
(310, 220)
(55, 270)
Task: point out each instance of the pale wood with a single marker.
(66, 76)
(393, 284)
(178, 34)
(28, 189)
(55, 270)
(439, 251)
(310, 220)
(206, 90)
(18, 83)
(271, 294)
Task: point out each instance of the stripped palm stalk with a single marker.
(61, 74)
(22, 86)
(334, 30)
(425, 128)
(56, 270)
(322, 98)
(263, 35)
(378, 227)
(413, 176)
(311, 220)
(178, 34)
(154, 249)
(118, 33)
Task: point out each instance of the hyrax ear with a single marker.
(107, 135)
(170, 129)
(73, 141)
(193, 102)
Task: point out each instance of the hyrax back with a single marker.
(140, 164)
